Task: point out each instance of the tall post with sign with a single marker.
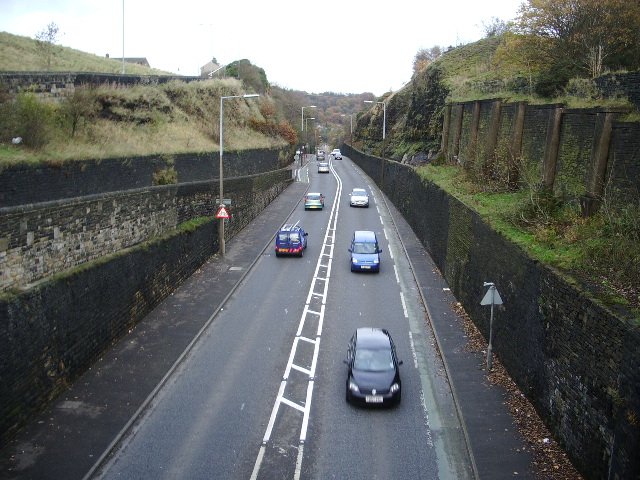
(492, 297)
(220, 176)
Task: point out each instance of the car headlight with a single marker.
(353, 387)
(354, 260)
(394, 388)
(376, 260)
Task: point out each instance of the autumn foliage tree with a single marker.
(574, 37)
(425, 56)
(270, 126)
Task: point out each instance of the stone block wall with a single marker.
(28, 184)
(39, 240)
(584, 156)
(57, 84)
(51, 332)
(55, 217)
(621, 85)
(577, 362)
(624, 168)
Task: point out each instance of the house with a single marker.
(137, 60)
(211, 68)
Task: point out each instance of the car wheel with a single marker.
(302, 253)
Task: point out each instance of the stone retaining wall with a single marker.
(57, 84)
(584, 156)
(577, 362)
(28, 184)
(51, 332)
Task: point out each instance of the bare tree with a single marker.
(79, 106)
(45, 42)
(494, 27)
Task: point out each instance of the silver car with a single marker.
(359, 198)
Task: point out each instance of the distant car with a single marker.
(323, 167)
(314, 201)
(359, 198)
(336, 154)
(365, 252)
(373, 377)
(291, 240)
(320, 156)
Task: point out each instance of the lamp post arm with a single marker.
(384, 121)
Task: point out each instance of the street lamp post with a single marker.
(384, 136)
(302, 122)
(221, 181)
(212, 37)
(384, 119)
(351, 132)
(306, 120)
(123, 37)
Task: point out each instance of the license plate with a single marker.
(373, 399)
(365, 267)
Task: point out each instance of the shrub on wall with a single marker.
(28, 118)
(165, 176)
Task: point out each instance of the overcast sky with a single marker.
(342, 46)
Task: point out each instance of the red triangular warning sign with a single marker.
(222, 213)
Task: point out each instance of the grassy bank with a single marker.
(601, 252)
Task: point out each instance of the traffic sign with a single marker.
(225, 201)
(222, 213)
(492, 297)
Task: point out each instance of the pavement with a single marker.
(69, 439)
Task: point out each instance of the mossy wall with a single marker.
(566, 165)
(576, 361)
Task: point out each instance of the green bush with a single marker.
(165, 176)
(78, 108)
(29, 118)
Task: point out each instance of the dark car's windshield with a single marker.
(364, 247)
(373, 360)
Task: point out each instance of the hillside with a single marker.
(556, 232)
(147, 120)
(468, 72)
(18, 53)
(183, 117)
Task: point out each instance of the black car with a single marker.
(373, 377)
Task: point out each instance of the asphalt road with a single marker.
(239, 373)
(262, 393)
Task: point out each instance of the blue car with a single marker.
(291, 240)
(365, 252)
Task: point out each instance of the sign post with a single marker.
(492, 297)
